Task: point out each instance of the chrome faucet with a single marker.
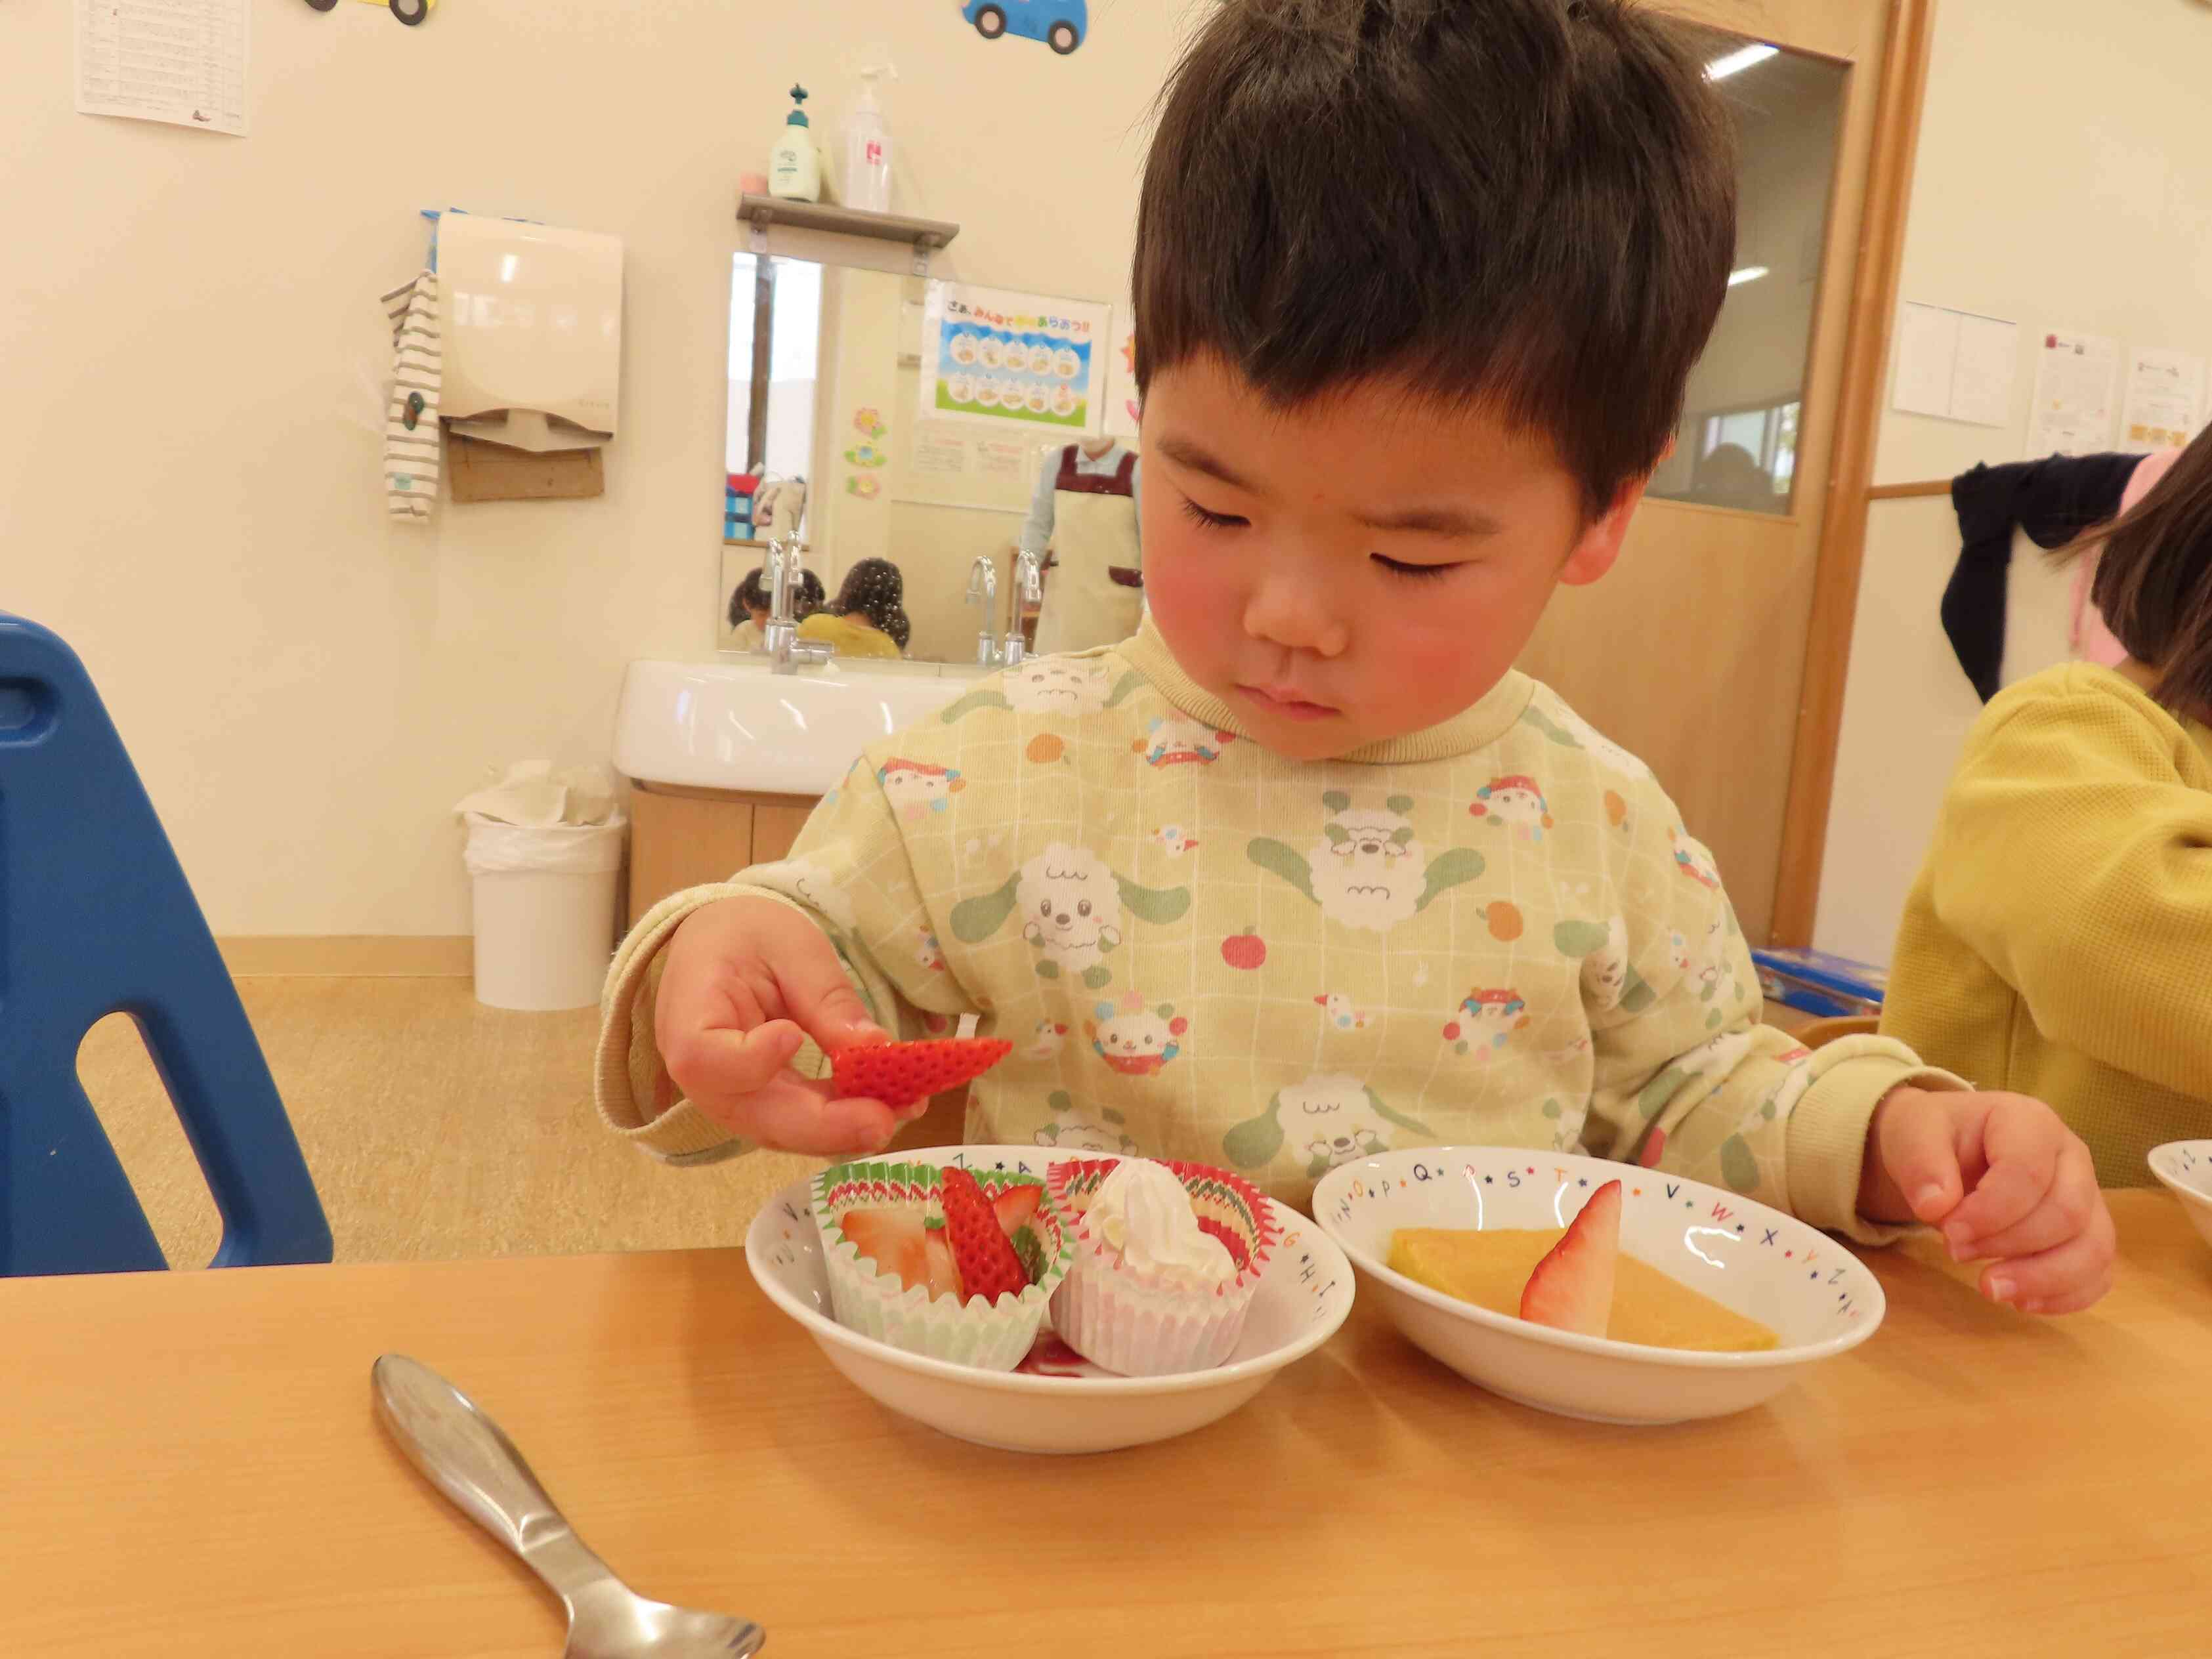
(780, 633)
(1029, 589)
(983, 590)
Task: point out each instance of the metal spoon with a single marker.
(465, 1455)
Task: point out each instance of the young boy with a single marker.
(1306, 869)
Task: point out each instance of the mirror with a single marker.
(827, 438)
(1737, 444)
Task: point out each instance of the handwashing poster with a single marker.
(993, 356)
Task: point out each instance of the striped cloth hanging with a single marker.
(411, 416)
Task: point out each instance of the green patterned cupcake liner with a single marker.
(990, 1336)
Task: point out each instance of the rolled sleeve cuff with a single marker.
(636, 1096)
(1825, 1152)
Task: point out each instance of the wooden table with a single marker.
(188, 1467)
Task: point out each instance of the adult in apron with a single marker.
(1094, 592)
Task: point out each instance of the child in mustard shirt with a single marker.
(1306, 869)
(2059, 938)
(868, 617)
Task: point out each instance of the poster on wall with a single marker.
(2072, 414)
(183, 62)
(1121, 377)
(1955, 365)
(2165, 400)
(956, 464)
(1007, 360)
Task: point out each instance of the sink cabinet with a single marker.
(681, 836)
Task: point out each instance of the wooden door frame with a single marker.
(1842, 545)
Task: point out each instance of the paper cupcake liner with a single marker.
(991, 1336)
(1118, 1318)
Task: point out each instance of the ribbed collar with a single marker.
(1471, 729)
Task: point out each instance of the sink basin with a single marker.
(739, 725)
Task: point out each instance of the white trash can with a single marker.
(544, 902)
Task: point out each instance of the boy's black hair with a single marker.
(1526, 205)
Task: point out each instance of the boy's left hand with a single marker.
(2004, 1181)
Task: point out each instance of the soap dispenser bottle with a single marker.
(794, 168)
(867, 179)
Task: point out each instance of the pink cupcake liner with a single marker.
(1124, 1321)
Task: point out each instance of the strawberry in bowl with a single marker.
(1053, 1399)
(941, 1260)
(1583, 1287)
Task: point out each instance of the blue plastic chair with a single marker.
(96, 918)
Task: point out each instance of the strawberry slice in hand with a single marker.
(899, 1074)
(1571, 1289)
(982, 1253)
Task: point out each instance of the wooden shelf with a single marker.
(762, 211)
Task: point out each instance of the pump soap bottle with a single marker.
(867, 179)
(794, 170)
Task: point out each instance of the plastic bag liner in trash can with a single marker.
(544, 897)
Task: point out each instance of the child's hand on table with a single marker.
(746, 979)
(2004, 1181)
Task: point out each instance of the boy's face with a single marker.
(1354, 569)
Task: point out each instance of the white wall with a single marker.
(189, 477)
(2062, 182)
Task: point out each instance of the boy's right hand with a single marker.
(746, 979)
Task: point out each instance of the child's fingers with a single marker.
(2062, 1280)
(743, 1006)
(697, 997)
(817, 993)
(2064, 1210)
(1920, 1154)
(794, 1117)
(718, 1067)
(2021, 1140)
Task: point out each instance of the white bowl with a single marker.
(2186, 1167)
(1302, 1298)
(1797, 1280)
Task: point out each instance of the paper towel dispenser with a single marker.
(533, 331)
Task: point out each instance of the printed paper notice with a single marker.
(2165, 401)
(179, 61)
(992, 356)
(1955, 365)
(944, 453)
(2072, 414)
(1003, 457)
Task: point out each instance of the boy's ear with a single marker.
(1599, 544)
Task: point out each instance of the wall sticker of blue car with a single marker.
(1061, 24)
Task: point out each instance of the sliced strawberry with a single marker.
(1571, 1289)
(1229, 1239)
(943, 1277)
(901, 1073)
(982, 1253)
(1015, 1206)
(892, 1239)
